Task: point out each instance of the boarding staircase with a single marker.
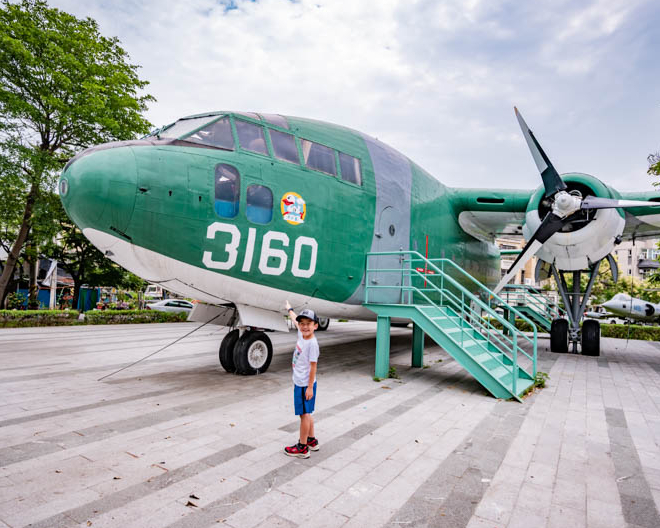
(532, 303)
(458, 312)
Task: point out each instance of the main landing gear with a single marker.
(246, 352)
(562, 331)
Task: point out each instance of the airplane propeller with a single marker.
(563, 204)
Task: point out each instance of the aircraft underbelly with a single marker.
(209, 286)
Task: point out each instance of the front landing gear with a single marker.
(575, 303)
(247, 353)
(591, 338)
(559, 336)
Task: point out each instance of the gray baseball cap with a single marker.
(307, 314)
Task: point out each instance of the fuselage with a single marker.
(283, 208)
(625, 306)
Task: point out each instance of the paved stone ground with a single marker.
(177, 442)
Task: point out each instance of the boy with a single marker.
(305, 359)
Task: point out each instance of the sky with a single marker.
(437, 80)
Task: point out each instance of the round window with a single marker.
(64, 187)
(392, 230)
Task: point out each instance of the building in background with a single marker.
(628, 256)
(526, 274)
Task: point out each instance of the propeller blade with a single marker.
(551, 179)
(550, 225)
(592, 202)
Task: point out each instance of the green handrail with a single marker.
(483, 325)
(530, 296)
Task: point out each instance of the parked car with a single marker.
(171, 305)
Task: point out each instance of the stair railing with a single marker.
(438, 283)
(521, 294)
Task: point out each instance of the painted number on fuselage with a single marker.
(272, 261)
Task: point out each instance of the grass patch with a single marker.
(392, 373)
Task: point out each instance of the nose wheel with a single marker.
(248, 353)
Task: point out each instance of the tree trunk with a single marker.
(15, 252)
(33, 287)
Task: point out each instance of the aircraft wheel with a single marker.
(591, 338)
(253, 353)
(226, 352)
(324, 323)
(559, 336)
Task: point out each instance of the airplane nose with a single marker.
(98, 188)
(608, 304)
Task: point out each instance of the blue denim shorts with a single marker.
(303, 406)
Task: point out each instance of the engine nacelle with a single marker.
(589, 238)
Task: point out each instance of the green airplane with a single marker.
(244, 211)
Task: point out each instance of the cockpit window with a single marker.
(259, 204)
(185, 126)
(350, 169)
(251, 115)
(284, 146)
(319, 157)
(251, 137)
(227, 190)
(276, 119)
(216, 134)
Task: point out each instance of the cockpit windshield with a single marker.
(185, 126)
(217, 134)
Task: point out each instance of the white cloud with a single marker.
(437, 80)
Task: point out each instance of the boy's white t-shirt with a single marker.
(306, 351)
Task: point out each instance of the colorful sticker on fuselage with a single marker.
(293, 208)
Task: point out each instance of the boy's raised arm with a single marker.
(291, 313)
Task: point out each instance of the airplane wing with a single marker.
(641, 222)
(490, 213)
(487, 214)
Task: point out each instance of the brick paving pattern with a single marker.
(177, 442)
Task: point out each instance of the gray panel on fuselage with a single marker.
(393, 176)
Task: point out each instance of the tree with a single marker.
(63, 87)
(654, 166)
(78, 256)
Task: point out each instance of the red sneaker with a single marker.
(312, 443)
(298, 450)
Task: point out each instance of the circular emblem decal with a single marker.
(293, 208)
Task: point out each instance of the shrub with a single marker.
(132, 317)
(16, 300)
(643, 333)
(22, 318)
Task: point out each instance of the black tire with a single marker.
(226, 352)
(559, 336)
(253, 353)
(324, 323)
(591, 338)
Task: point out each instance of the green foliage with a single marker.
(540, 379)
(25, 318)
(641, 332)
(16, 300)
(63, 87)
(377, 379)
(22, 318)
(392, 373)
(132, 317)
(654, 167)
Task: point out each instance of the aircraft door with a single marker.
(389, 238)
